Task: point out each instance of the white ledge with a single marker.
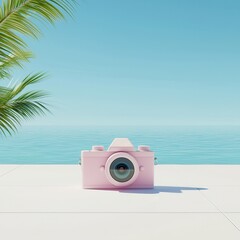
(188, 202)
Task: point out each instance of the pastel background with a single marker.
(145, 64)
(138, 62)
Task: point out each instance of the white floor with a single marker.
(188, 202)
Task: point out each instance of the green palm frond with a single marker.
(17, 104)
(11, 61)
(18, 19)
(16, 16)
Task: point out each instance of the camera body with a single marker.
(119, 167)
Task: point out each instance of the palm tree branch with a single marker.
(16, 17)
(17, 104)
(10, 61)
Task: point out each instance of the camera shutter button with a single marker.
(97, 148)
(143, 148)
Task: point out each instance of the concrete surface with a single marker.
(188, 202)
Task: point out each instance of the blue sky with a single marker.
(136, 62)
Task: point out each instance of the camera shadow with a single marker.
(161, 189)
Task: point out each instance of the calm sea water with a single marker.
(172, 145)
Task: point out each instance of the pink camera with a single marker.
(118, 167)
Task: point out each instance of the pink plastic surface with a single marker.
(95, 166)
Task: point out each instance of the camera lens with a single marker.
(122, 169)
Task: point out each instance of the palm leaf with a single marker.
(16, 16)
(17, 104)
(18, 19)
(11, 61)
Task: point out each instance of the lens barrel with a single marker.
(122, 169)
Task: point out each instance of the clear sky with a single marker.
(143, 62)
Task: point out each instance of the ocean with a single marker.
(172, 145)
